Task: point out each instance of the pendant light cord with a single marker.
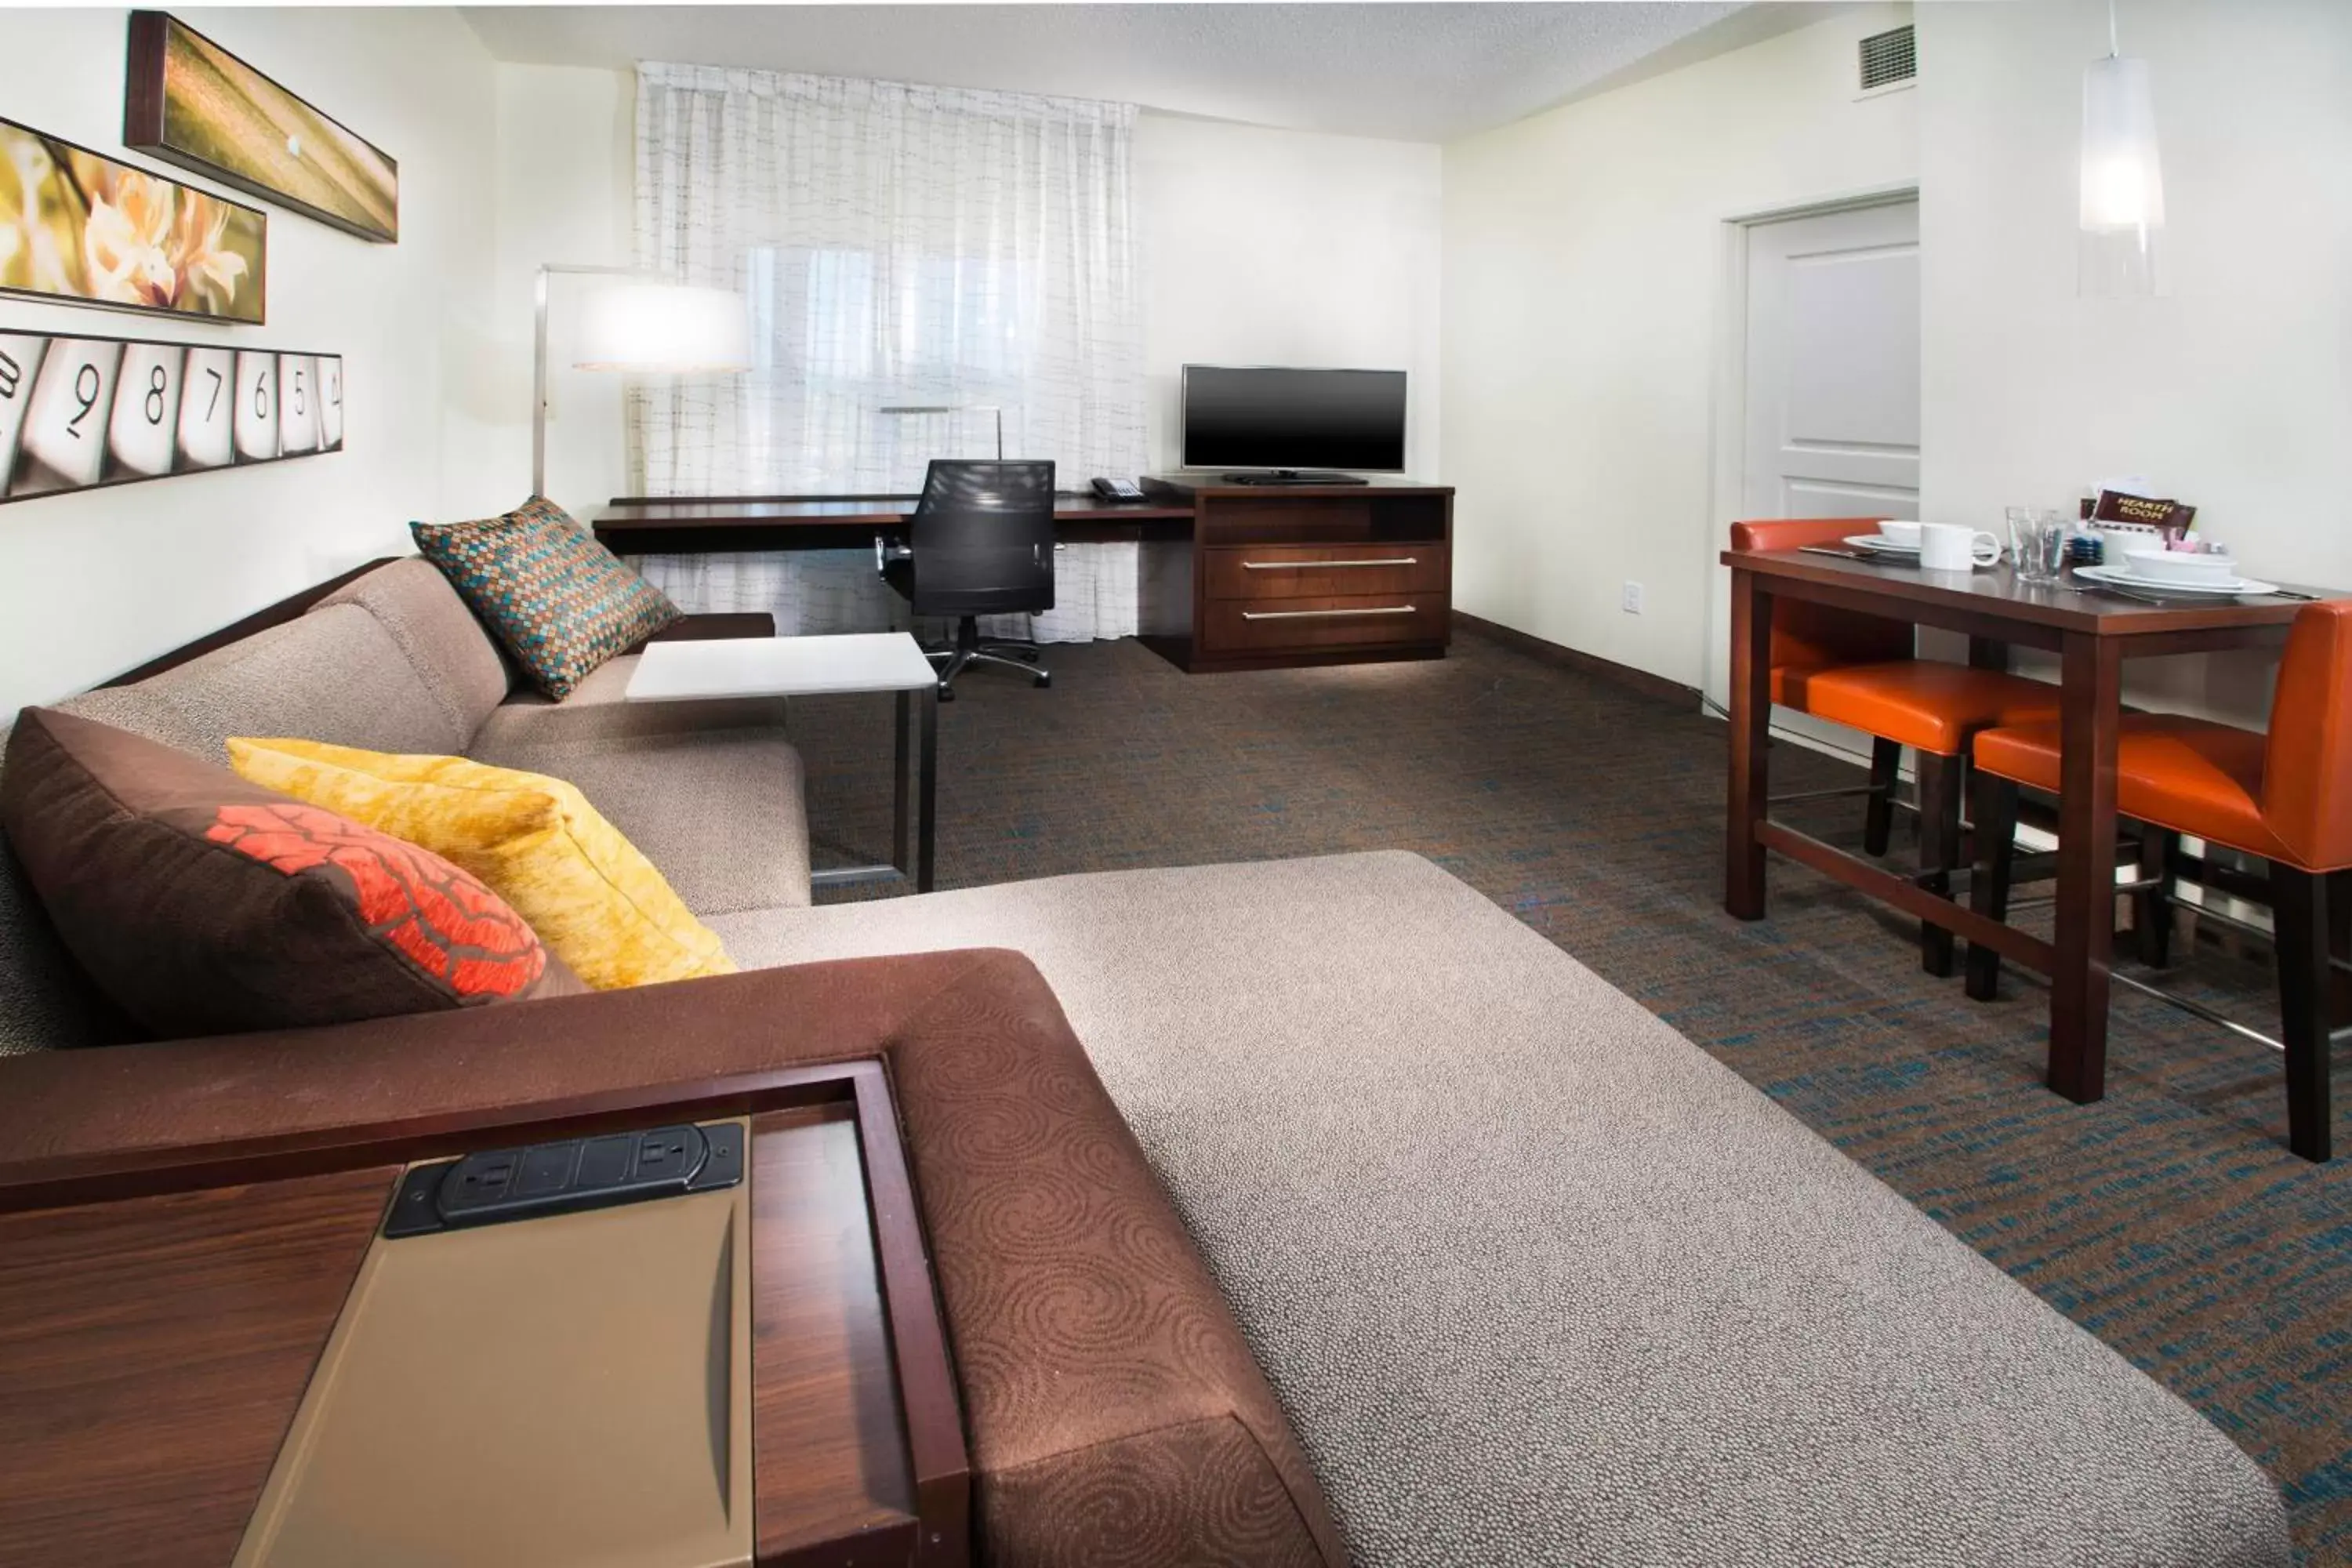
(2114, 49)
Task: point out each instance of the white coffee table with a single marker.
(821, 666)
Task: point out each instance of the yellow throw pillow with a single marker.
(584, 889)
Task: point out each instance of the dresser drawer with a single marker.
(1322, 621)
(1316, 571)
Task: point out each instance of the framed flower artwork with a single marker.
(77, 226)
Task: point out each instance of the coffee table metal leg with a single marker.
(902, 843)
(926, 854)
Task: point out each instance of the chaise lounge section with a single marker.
(1531, 1278)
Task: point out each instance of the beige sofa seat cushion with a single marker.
(335, 674)
(446, 645)
(719, 812)
(597, 710)
(1540, 1281)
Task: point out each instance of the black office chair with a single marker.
(981, 545)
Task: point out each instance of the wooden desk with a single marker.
(2092, 635)
(1232, 577)
(164, 1320)
(637, 525)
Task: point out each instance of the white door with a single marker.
(1831, 395)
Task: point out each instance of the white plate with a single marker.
(2118, 577)
(2171, 580)
(1882, 545)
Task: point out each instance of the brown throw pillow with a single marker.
(202, 904)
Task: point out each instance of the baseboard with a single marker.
(1553, 653)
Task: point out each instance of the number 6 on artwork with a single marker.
(257, 407)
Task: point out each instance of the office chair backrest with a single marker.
(982, 538)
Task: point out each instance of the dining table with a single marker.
(2091, 631)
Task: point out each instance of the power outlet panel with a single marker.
(1632, 602)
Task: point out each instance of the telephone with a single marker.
(1119, 490)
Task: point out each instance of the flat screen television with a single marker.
(1236, 418)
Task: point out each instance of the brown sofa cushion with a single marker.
(201, 904)
(1115, 1413)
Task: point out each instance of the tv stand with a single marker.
(1291, 477)
(1293, 573)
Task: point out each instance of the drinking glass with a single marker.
(2037, 543)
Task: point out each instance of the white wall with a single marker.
(94, 583)
(1585, 258)
(2235, 392)
(1266, 246)
(1260, 247)
(566, 152)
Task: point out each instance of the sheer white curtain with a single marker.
(900, 246)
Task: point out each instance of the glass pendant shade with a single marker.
(2123, 181)
(665, 327)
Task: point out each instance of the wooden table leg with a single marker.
(2091, 701)
(1751, 720)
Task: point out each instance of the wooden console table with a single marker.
(1274, 575)
(165, 1311)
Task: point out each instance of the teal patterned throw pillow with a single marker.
(561, 603)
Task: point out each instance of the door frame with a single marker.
(1728, 408)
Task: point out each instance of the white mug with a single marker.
(1948, 547)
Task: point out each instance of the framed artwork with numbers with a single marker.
(77, 413)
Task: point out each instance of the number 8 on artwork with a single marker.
(140, 437)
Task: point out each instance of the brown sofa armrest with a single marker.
(76, 1115)
(713, 627)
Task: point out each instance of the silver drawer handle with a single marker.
(1322, 614)
(1319, 565)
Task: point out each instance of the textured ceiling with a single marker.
(1415, 72)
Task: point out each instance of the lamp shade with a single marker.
(665, 327)
(2123, 180)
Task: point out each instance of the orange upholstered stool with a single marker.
(1859, 670)
(2286, 798)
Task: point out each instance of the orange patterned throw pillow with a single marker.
(448, 924)
(202, 904)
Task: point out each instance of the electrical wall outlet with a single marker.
(1632, 601)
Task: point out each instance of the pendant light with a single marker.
(2123, 182)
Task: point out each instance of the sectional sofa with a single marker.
(1528, 1277)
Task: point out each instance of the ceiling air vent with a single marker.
(1888, 59)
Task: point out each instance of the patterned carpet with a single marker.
(2169, 1219)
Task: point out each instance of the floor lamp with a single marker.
(648, 323)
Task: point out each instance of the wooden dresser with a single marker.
(1273, 575)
